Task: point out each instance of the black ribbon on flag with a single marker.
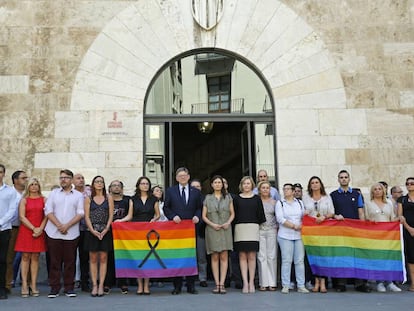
(152, 249)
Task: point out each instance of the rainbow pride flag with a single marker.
(154, 250)
(355, 249)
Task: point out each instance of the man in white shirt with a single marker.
(7, 212)
(64, 210)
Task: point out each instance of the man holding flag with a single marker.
(183, 202)
(348, 203)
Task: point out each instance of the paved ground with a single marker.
(161, 299)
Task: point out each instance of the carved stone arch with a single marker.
(120, 64)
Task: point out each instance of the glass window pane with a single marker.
(154, 153)
(264, 149)
(213, 107)
(214, 98)
(191, 80)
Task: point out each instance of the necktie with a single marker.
(183, 195)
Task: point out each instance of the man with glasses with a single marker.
(19, 179)
(262, 176)
(183, 202)
(64, 210)
(8, 209)
(348, 203)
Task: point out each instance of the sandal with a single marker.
(223, 289)
(272, 288)
(94, 292)
(35, 293)
(101, 292)
(262, 289)
(216, 290)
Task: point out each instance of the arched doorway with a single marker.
(118, 69)
(211, 111)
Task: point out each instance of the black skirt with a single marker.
(93, 244)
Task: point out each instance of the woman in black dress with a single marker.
(99, 211)
(406, 213)
(145, 209)
(249, 214)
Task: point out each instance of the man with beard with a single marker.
(64, 210)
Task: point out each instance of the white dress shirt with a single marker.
(65, 206)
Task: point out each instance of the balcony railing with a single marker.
(236, 106)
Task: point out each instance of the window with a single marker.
(219, 93)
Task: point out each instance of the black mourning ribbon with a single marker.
(152, 249)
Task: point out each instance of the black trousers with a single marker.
(83, 260)
(178, 281)
(4, 246)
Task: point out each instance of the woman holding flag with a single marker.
(380, 209)
(318, 205)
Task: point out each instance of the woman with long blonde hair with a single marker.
(249, 214)
(31, 238)
(380, 209)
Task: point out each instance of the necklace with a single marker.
(380, 208)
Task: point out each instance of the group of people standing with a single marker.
(252, 223)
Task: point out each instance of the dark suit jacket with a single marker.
(174, 205)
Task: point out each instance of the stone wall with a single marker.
(360, 119)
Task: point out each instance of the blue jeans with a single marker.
(292, 251)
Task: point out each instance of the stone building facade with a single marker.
(74, 75)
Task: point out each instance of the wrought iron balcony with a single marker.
(236, 106)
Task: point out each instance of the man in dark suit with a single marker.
(183, 202)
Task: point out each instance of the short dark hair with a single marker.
(289, 184)
(116, 180)
(297, 185)
(181, 169)
(409, 178)
(343, 171)
(67, 172)
(16, 175)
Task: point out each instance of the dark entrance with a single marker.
(222, 151)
